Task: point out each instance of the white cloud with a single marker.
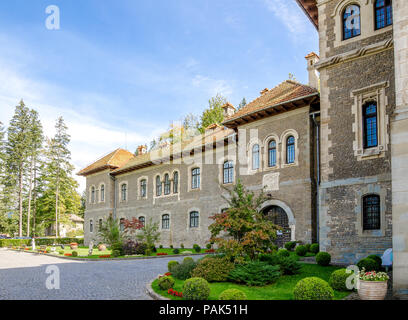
(212, 86)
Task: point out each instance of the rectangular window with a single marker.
(371, 212)
(143, 188)
(195, 178)
(370, 125)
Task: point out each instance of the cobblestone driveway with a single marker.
(23, 276)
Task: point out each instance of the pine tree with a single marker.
(17, 151)
(242, 104)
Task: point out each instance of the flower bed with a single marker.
(105, 256)
(175, 293)
(68, 254)
(210, 251)
(162, 254)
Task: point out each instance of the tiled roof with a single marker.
(112, 160)
(152, 157)
(288, 90)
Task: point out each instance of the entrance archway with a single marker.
(280, 214)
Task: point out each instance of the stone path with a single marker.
(23, 276)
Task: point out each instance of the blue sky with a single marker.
(120, 71)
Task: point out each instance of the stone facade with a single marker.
(354, 71)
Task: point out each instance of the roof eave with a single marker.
(315, 21)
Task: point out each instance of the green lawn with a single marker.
(281, 290)
(83, 252)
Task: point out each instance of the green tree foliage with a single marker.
(109, 232)
(149, 233)
(245, 230)
(242, 104)
(214, 113)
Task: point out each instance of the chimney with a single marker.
(229, 110)
(141, 150)
(264, 91)
(312, 58)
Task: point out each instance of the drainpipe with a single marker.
(316, 124)
(114, 195)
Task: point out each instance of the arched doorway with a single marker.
(277, 215)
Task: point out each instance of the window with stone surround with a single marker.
(175, 182)
(91, 226)
(272, 153)
(122, 224)
(228, 172)
(92, 194)
(383, 13)
(370, 121)
(102, 191)
(142, 220)
(165, 221)
(167, 184)
(158, 186)
(371, 212)
(194, 219)
(123, 190)
(290, 150)
(195, 178)
(100, 224)
(351, 22)
(255, 157)
(143, 187)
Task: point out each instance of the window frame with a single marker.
(102, 192)
(176, 182)
(158, 183)
(229, 170)
(256, 153)
(365, 117)
(100, 222)
(290, 150)
(344, 19)
(167, 221)
(142, 220)
(386, 17)
(93, 194)
(194, 219)
(167, 185)
(143, 188)
(121, 225)
(123, 192)
(195, 178)
(91, 226)
(269, 153)
(365, 225)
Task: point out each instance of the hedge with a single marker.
(39, 242)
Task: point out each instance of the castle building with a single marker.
(332, 156)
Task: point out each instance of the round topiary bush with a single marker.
(290, 245)
(182, 246)
(75, 253)
(368, 264)
(166, 282)
(314, 248)
(338, 279)
(213, 269)
(323, 258)
(171, 264)
(301, 250)
(196, 289)
(188, 259)
(307, 245)
(376, 259)
(232, 294)
(197, 248)
(208, 246)
(283, 253)
(313, 288)
(176, 251)
(61, 252)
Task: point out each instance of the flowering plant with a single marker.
(373, 276)
(162, 254)
(105, 256)
(68, 254)
(210, 251)
(175, 293)
(167, 274)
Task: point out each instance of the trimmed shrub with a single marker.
(75, 253)
(176, 251)
(313, 288)
(183, 270)
(171, 264)
(301, 250)
(208, 246)
(131, 247)
(323, 258)
(377, 259)
(213, 270)
(166, 282)
(196, 289)
(161, 246)
(154, 249)
(290, 245)
(182, 246)
(116, 253)
(338, 279)
(188, 259)
(289, 265)
(307, 245)
(171, 246)
(283, 253)
(61, 251)
(232, 294)
(255, 273)
(314, 248)
(117, 246)
(270, 258)
(148, 252)
(368, 264)
(197, 248)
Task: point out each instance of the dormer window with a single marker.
(351, 22)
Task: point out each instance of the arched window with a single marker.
(158, 186)
(351, 22)
(143, 192)
(371, 212)
(175, 182)
(195, 178)
(124, 192)
(255, 157)
(194, 219)
(383, 13)
(228, 172)
(102, 193)
(370, 125)
(142, 220)
(100, 224)
(122, 224)
(90, 225)
(272, 153)
(165, 221)
(167, 184)
(93, 195)
(290, 150)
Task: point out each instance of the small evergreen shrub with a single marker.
(290, 245)
(368, 264)
(232, 294)
(283, 253)
(208, 246)
(188, 259)
(183, 270)
(301, 250)
(117, 246)
(154, 249)
(307, 245)
(274, 247)
(255, 273)
(61, 252)
(75, 253)
(176, 251)
(196, 289)
(213, 270)
(270, 258)
(313, 288)
(182, 246)
(161, 246)
(171, 264)
(197, 248)
(171, 246)
(116, 253)
(289, 266)
(338, 279)
(377, 259)
(148, 252)
(166, 282)
(323, 258)
(314, 248)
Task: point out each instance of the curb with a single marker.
(153, 294)
(112, 259)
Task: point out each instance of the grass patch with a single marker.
(281, 290)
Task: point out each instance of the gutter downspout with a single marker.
(318, 172)
(114, 195)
